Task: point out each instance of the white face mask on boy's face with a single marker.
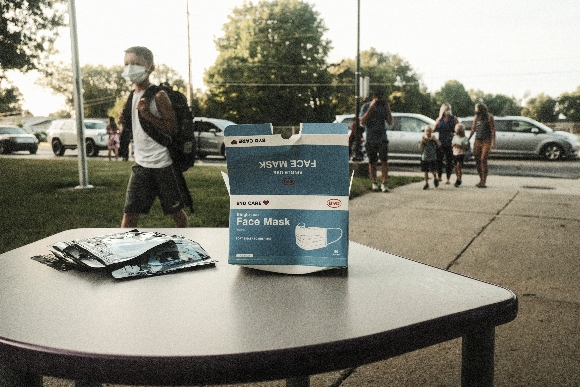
(134, 73)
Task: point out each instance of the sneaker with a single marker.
(384, 188)
(375, 187)
(426, 186)
(457, 183)
(436, 182)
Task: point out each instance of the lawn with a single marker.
(38, 198)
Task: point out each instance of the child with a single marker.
(153, 174)
(428, 146)
(460, 144)
(113, 144)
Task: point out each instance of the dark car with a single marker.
(14, 138)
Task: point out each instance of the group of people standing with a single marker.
(446, 152)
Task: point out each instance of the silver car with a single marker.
(522, 136)
(404, 135)
(209, 133)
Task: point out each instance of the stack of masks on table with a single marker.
(129, 254)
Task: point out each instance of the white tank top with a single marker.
(148, 152)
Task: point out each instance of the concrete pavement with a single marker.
(519, 233)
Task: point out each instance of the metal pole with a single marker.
(189, 91)
(357, 143)
(78, 98)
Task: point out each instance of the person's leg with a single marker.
(484, 156)
(373, 172)
(477, 156)
(180, 219)
(129, 220)
(139, 197)
(448, 163)
(384, 171)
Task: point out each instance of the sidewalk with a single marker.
(519, 233)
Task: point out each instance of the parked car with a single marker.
(210, 136)
(522, 136)
(14, 138)
(404, 135)
(62, 135)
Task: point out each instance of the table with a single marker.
(230, 324)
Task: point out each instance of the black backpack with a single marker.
(182, 145)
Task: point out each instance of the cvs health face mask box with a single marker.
(288, 197)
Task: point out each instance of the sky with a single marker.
(513, 47)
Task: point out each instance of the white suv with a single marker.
(62, 135)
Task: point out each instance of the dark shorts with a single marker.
(146, 184)
(459, 159)
(377, 151)
(429, 166)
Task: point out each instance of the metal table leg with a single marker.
(477, 358)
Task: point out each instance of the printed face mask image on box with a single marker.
(288, 197)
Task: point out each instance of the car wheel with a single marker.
(57, 147)
(33, 150)
(553, 152)
(91, 148)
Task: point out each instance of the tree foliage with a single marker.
(569, 105)
(271, 65)
(28, 29)
(393, 74)
(453, 92)
(498, 104)
(10, 101)
(541, 108)
(102, 86)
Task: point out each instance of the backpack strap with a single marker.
(156, 134)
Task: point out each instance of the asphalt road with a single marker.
(567, 169)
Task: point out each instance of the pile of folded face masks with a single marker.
(128, 254)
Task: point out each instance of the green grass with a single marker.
(38, 198)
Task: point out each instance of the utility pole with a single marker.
(357, 75)
(189, 90)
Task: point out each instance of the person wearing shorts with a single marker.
(153, 174)
(484, 129)
(373, 116)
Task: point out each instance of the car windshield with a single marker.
(95, 125)
(11, 130)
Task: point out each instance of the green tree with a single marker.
(101, 86)
(498, 104)
(28, 29)
(541, 108)
(390, 72)
(453, 92)
(271, 66)
(10, 101)
(569, 105)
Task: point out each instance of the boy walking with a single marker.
(152, 175)
(428, 146)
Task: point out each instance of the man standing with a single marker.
(373, 116)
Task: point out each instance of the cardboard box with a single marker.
(288, 197)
